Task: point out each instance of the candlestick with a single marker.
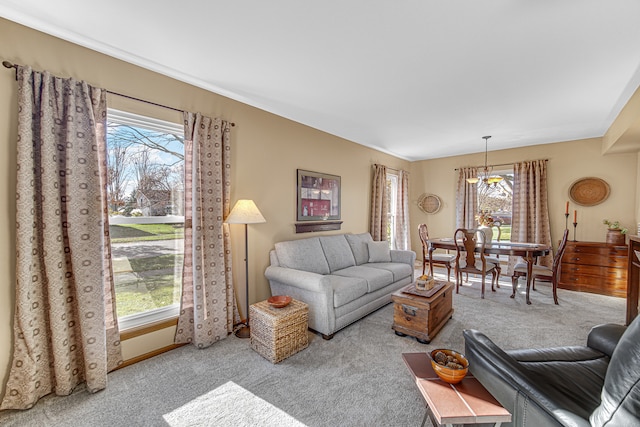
(566, 220)
(575, 225)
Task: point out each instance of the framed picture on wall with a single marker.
(318, 196)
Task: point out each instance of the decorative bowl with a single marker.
(279, 301)
(448, 374)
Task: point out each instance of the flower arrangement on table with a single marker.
(485, 218)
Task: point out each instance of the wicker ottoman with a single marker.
(277, 333)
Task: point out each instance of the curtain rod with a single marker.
(8, 64)
(499, 164)
(390, 168)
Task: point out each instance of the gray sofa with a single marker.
(341, 277)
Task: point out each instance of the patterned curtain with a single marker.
(530, 216)
(379, 224)
(65, 327)
(466, 199)
(208, 310)
(402, 235)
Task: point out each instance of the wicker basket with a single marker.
(277, 333)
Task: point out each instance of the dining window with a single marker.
(497, 201)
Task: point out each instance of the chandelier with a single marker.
(486, 174)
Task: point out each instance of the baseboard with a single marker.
(149, 355)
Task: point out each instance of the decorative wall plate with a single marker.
(429, 203)
(589, 191)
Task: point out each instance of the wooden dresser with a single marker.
(595, 267)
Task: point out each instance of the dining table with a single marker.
(529, 252)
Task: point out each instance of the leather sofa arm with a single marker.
(519, 390)
(604, 338)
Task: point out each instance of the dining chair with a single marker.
(493, 259)
(445, 260)
(542, 272)
(470, 258)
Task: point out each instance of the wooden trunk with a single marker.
(422, 317)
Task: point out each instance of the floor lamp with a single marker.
(245, 212)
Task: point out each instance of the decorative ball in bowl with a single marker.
(449, 365)
(279, 301)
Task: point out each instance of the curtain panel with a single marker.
(530, 216)
(466, 199)
(208, 309)
(379, 221)
(402, 235)
(65, 327)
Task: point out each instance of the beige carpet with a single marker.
(356, 379)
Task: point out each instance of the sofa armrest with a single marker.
(519, 390)
(306, 280)
(406, 257)
(604, 338)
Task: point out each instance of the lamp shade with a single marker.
(245, 212)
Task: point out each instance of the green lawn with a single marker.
(146, 283)
(124, 233)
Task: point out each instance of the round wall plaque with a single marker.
(429, 203)
(589, 191)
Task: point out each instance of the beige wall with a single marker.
(267, 150)
(568, 161)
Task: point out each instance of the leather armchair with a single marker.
(593, 385)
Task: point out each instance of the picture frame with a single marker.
(318, 196)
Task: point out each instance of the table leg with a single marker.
(429, 414)
(431, 261)
(529, 260)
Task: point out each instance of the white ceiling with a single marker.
(418, 79)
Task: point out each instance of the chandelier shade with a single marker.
(486, 175)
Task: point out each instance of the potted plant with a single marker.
(615, 233)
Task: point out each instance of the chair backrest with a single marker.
(424, 236)
(471, 239)
(557, 259)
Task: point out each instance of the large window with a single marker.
(392, 194)
(497, 201)
(146, 214)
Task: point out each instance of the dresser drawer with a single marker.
(577, 270)
(595, 249)
(594, 284)
(595, 259)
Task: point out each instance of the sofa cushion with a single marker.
(358, 244)
(304, 254)
(399, 271)
(620, 398)
(346, 289)
(337, 251)
(379, 251)
(376, 278)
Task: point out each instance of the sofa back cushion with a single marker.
(379, 251)
(304, 254)
(358, 244)
(337, 252)
(620, 405)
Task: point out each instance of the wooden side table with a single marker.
(467, 402)
(277, 333)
